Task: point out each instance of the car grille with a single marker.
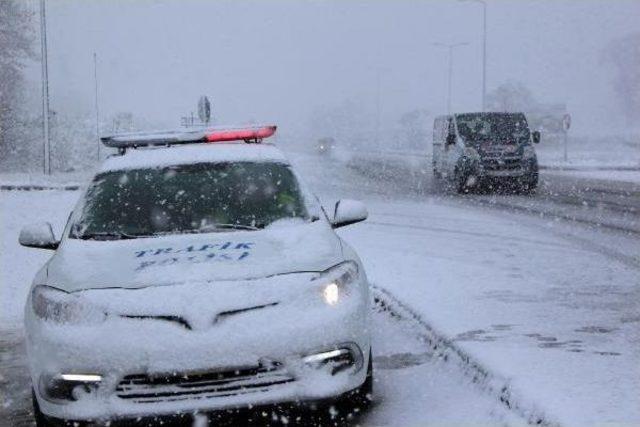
(145, 388)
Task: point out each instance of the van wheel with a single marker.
(529, 184)
(436, 174)
(460, 182)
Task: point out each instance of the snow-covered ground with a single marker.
(630, 176)
(550, 307)
(590, 152)
(553, 306)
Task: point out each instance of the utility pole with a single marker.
(377, 106)
(484, 50)
(95, 78)
(450, 47)
(45, 90)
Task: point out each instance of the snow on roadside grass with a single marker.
(39, 180)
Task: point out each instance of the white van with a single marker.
(472, 149)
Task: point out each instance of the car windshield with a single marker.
(497, 128)
(192, 198)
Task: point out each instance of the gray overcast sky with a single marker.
(278, 60)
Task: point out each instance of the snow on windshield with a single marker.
(201, 197)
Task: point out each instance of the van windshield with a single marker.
(496, 128)
(194, 198)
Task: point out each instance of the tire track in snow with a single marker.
(446, 350)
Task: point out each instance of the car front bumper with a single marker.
(150, 368)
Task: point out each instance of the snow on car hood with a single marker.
(238, 255)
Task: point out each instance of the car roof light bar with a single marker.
(251, 134)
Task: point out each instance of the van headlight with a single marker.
(337, 282)
(528, 152)
(58, 306)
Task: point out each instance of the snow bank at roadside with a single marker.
(629, 176)
(40, 181)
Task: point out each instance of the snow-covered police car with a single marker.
(196, 273)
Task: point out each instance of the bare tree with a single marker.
(16, 47)
(624, 55)
(511, 96)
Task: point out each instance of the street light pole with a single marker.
(95, 78)
(450, 47)
(45, 90)
(484, 55)
(484, 50)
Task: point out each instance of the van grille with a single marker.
(501, 163)
(145, 388)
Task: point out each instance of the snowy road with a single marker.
(413, 385)
(543, 310)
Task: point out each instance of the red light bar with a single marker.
(249, 134)
(220, 134)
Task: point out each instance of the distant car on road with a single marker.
(325, 146)
(196, 275)
(472, 149)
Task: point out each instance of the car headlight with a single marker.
(336, 281)
(528, 152)
(471, 153)
(58, 306)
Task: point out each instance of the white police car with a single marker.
(196, 277)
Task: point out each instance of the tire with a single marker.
(529, 184)
(460, 182)
(41, 419)
(360, 399)
(436, 174)
(44, 421)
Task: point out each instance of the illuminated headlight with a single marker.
(471, 153)
(55, 305)
(528, 152)
(331, 294)
(336, 281)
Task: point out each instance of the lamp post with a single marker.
(450, 46)
(95, 80)
(45, 90)
(484, 50)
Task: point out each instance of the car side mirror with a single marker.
(348, 212)
(536, 137)
(451, 139)
(38, 236)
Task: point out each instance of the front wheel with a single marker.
(41, 419)
(529, 184)
(359, 399)
(460, 182)
(44, 421)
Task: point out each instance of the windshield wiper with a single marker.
(230, 227)
(108, 235)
